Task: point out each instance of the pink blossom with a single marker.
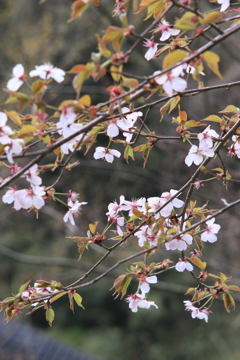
(71, 144)
(156, 202)
(196, 312)
(72, 195)
(31, 175)
(107, 154)
(152, 49)
(205, 138)
(180, 242)
(210, 231)
(12, 196)
(183, 264)
(114, 207)
(134, 204)
(171, 81)
(48, 71)
(74, 209)
(4, 130)
(138, 301)
(196, 155)
(145, 234)
(67, 117)
(145, 281)
(167, 30)
(175, 202)
(32, 197)
(118, 221)
(225, 4)
(200, 314)
(18, 77)
(112, 129)
(12, 147)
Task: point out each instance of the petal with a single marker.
(179, 84)
(18, 70)
(14, 84)
(115, 153)
(109, 158)
(180, 266)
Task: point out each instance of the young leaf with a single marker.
(212, 60)
(78, 299)
(173, 58)
(50, 315)
(196, 261)
(228, 301)
(121, 284)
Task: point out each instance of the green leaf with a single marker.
(230, 109)
(121, 284)
(50, 315)
(212, 61)
(173, 58)
(56, 297)
(14, 116)
(228, 301)
(92, 227)
(196, 261)
(214, 118)
(128, 152)
(188, 21)
(170, 105)
(210, 17)
(78, 300)
(23, 286)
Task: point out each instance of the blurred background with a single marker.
(32, 249)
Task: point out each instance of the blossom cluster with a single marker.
(201, 314)
(205, 149)
(35, 291)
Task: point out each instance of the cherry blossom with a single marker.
(48, 71)
(171, 81)
(196, 312)
(13, 147)
(138, 301)
(167, 30)
(31, 175)
(210, 231)
(152, 49)
(18, 77)
(196, 155)
(67, 117)
(114, 208)
(107, 154)
(134, 204)
(175, 202)
(118, 221)
(205, 138)
(112, 129)
(180, 242)
(12, 196)
(32, 197)
(145, 234)
(145, 281)
(183, 264)
(4, 130)
(72, 195)
(224, 4)
(154, 205)
(74, 209)
(71, 144)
